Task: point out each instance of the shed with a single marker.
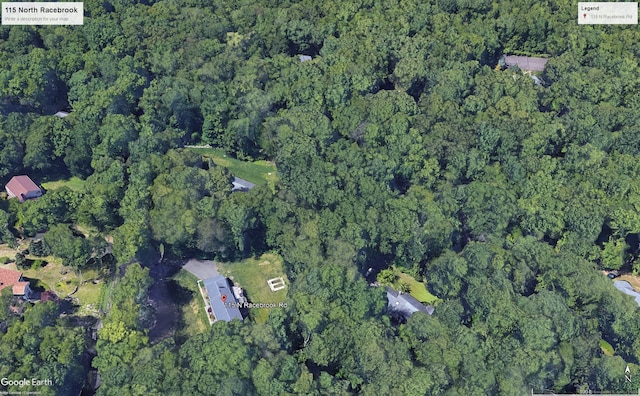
(223, 303)
(61, 114)
(23, 188)
(305, 58)
(241, 184)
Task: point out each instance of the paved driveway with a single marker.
(203, 269)
(626, 288)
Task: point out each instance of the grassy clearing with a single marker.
(73, 183)
(105, 296)
(194, 318)
(6, 251)
(252, 275)
(607, 349)
(87, 231)
(399, 280)
(64, 281)
(418, 289)
(258, 172)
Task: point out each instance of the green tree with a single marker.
(74, 251)
(613, 254)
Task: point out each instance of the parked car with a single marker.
(613, 274)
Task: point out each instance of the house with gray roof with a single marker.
(241, 184)
(525, 63)
(223, 303)
(402, 305)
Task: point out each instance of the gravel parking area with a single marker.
(203, 269)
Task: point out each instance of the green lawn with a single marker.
(194, 318)
(64, 281)
(418, 289)
(606, 348)
(398, 280)
(252, 275)
(257, 172)
(73, 183)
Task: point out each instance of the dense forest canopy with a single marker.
(402, 142)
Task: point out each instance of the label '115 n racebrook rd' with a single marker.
(23, 13)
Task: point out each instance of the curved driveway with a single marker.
(203, 269)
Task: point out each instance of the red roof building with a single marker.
(23, 188)
(14, 279)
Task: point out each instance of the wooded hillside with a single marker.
(400, 143)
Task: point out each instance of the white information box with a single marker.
(24, 13)
(619, 13)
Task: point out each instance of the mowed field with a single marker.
(252, 275)
(73, 183)
(257, 172)
(418, 289)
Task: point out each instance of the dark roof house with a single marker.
(223, 303)
(241, 184)
(403, 305)
(526, 63)
(23, 188)
(14, 279)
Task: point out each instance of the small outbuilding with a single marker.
(23, 188)
(305, 58)
(241, 184)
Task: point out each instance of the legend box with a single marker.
(598, 13)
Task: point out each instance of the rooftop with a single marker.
(527, 63)
(405, 304)
(14, 279)
(241, 184)
(223, 302)
(22, 187)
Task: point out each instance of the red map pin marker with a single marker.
(585, 16)
(223, 297)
